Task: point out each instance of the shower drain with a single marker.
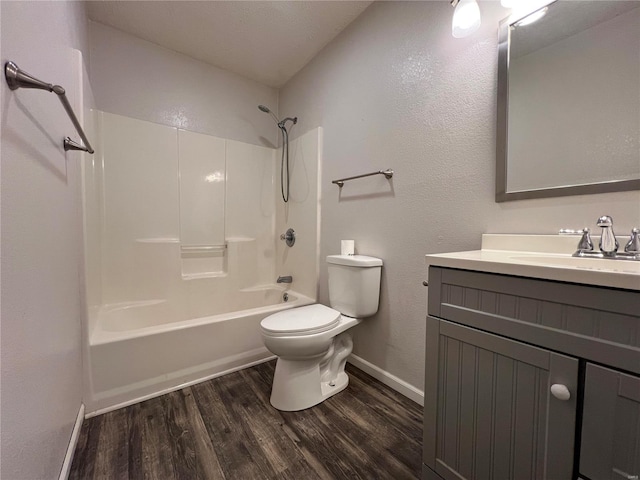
(285, 297)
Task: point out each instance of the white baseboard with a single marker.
(400, 386)
(75, 435)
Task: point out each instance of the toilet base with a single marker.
(297, 386)
(301, 384)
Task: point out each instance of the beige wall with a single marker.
(139, 79)
(41, 241)
(396, 90)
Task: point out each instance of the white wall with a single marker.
(41, 242)
(93, 213)
(250, 213)
(138, 79)
(301, 213)
(396, 90)
(144, 167)
(597, 69)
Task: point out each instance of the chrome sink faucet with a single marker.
(608, 243)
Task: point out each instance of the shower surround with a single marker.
(182, 252)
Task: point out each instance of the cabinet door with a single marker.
(610, 425)
(489, 413)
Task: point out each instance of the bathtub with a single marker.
(139, 350)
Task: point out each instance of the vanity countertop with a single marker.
(542, 256)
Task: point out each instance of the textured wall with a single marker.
(41, 242)
(138, 79)
(395, 89)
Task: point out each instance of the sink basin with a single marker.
(564, 261)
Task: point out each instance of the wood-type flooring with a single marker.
(225, 428)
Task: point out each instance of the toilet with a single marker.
(312, 343)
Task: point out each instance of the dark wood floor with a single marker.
(226, 428)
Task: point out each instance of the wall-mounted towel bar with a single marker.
(17, 78)
(388, 173)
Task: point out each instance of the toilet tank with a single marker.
(354, 284)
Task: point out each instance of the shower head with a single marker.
(281, 123)
(264, 109)
(285, 150)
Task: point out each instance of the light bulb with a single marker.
(466, 18)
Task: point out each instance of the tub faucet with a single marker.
(285, 279)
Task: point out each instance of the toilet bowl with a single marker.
(312, 343)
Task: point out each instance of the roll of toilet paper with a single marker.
(347, 247)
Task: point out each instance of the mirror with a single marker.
(569, 101)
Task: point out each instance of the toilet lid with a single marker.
(310, 319)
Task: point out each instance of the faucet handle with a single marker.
(585, 244)
(633, 245)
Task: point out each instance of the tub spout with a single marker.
(285, 279)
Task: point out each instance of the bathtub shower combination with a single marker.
(182, 253)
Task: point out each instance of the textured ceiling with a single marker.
(265, 41)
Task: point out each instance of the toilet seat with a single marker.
(301, 321)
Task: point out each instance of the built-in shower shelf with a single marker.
(199, 250)
(158, 240)
(199, 276)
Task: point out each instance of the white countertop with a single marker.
(542, 256)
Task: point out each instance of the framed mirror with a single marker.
(569, 101)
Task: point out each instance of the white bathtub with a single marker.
(143, 349)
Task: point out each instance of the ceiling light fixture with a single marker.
(466, 18)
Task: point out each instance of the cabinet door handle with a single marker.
(561, 392)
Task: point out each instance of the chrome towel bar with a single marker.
(388, 173)
(17, 78)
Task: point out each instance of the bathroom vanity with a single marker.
(532, 363)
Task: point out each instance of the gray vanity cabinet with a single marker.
(495, 347)
(611, 425)
(495, 416)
